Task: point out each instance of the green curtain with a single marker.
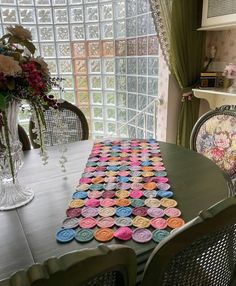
(186, 60)
(177, 22)
(187, 118)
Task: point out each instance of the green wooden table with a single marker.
(28, 234)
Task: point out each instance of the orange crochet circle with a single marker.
(147, 168)
(97, 180)
(103, 234)
(149, 186)
(122, 202)
(175, 222)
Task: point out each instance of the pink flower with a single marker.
(43, 65)
(34, 77)
(217, 154)
(221, 140)
(230, 70)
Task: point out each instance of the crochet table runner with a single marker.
(124, 193)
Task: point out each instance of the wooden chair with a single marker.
(113, 265)
(76, 126)
(201, 253)
(24, 139)
(214, 136)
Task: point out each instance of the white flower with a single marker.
(20, 32)
(43, 64)
(8, 66)
(230, 70)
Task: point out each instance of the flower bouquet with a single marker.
(230, 73)
(22, 77)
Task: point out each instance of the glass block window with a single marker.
(107, 52)
(136, 66)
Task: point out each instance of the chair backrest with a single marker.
(214, 136)
(75, 126)
(201, 253)
(113, 265)
(24, 139)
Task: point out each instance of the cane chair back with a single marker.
(214, 136)
(201, 253)
(113, 265)
(70, 125)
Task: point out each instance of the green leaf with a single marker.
(5, 37)
(25, 43)
(14, 40)
(30, 46)
(16, 56)
(2, 101)
(20, 51)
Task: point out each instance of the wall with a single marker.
(225, 42)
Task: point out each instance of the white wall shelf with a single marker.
(215, 97)
(218, 27)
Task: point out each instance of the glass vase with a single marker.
(12, 193)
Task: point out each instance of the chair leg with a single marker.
(234, 188)
(230, 184)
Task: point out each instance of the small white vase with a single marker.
(232, 88)
(12, 193)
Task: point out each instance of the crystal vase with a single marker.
(12, 193)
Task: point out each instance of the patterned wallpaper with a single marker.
(225, 42)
